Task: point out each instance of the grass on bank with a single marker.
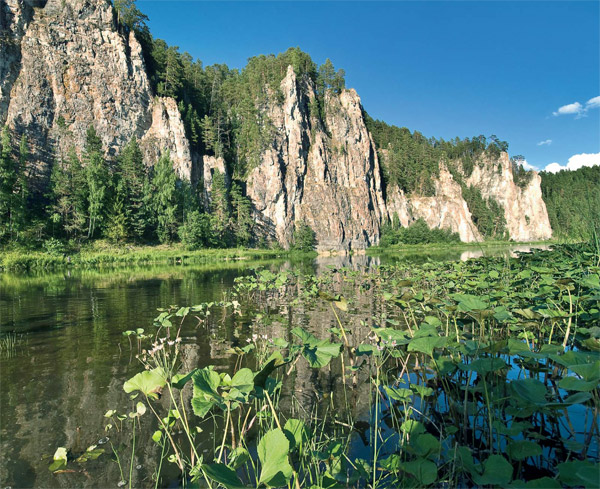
(102, 253)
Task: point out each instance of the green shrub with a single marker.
(418, 233)
(304, 238)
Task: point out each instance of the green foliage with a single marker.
(304, 238)
(13, 188)
(487, 214)
(164, 198)
(131, 178)
(573, 202)
(96, 174)
(470, 344)
(197, 231)
(69, 191)
(411, 161)
(129, 16)
(521, 176)
(242, 222)
(417, 233)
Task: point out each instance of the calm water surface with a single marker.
(70, 366)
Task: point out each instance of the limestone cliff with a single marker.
(67, 67)
(446, 209)
(330, 181)
(524, 208)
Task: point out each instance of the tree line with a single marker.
(125, 200)
(573, 202)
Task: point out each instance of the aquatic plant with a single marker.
(482, 373)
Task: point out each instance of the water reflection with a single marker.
(55, 390)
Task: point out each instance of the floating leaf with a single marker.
(59, 459)
(530, 390)
(179, 380)
(574, 384)
(484, 365)
(427, 344)
(273, 362)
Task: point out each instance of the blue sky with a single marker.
(445, 68)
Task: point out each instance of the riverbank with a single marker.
(100, 254)
(105, 254)
(406, 248)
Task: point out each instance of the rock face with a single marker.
(68, 68)
(447, 209)
(330, 182)
(524, 208)
(64, 65)
(210, 165)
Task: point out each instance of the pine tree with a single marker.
(8, 179)
(243, 222)
(97, 179)
(164, 198)
(129, 16)
(172, 75)
(69, 195)
(117, 219)
(20, 190)
(219, 204)
(131, 172)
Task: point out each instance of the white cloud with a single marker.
(547, 141)
(528, 166)
(575, 162)
(577, 109)
(574, 108)
(554, 168)
(593, 103)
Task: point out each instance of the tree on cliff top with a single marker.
(129, 16)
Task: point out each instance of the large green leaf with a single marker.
(590, 371)
(522, 449)
(148, 382)
(484, 365)
(179, 380)
(574, 384)
(497, 471)
(427, 344)
(273, 450)
(422, 469)
(205, 396)
(317, 352)
(296, 432)
(223, 475)
(468, 302)
(273, 362)
(530, 390)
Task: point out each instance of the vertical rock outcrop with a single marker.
(70, 67)
(524, 208)
(330, 181)
(447, 209)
